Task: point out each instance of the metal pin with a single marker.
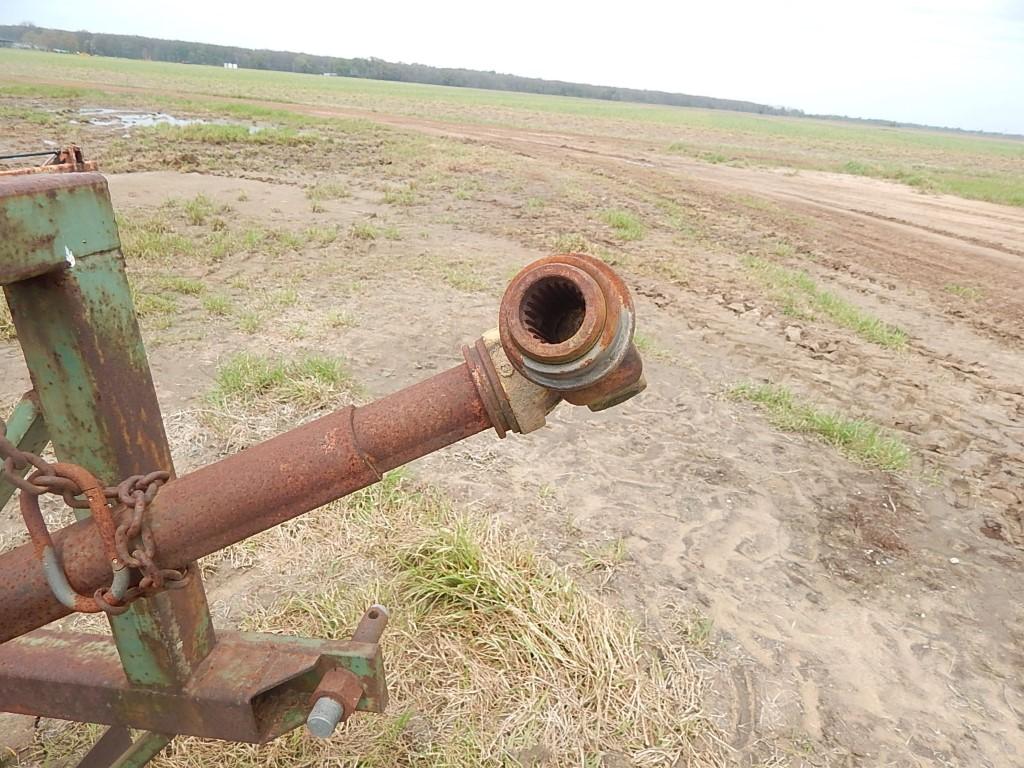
(324, 717)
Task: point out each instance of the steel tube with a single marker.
(251, 491)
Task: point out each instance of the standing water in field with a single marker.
(121, 119)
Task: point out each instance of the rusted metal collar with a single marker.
(566, 323)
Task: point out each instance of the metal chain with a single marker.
(136, 493)
(132, 537)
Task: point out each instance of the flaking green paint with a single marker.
(46, 217)
(81, 341)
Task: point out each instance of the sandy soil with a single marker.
(860, 617)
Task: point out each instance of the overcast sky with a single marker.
(943, 62)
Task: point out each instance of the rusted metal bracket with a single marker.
(251, 687)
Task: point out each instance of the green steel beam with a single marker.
(80, 337)
(49, 220)
(27, 430)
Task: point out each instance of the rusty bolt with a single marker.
(338, 694)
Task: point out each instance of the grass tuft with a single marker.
(151, 240)
(800, 296)
(198, 209)
(250, 380)
(150, 305)
(327, 190)
(571, 243)
(364, 230)
(219, 134)
(626, 225)
(965, 292)
(461, 277)
(186, 286)
(651, 348)
(250, 321)
(401, 195)
(860, 439)
(218, 305)
(254, 397)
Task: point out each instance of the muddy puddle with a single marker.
(126, 119)
(118, 118)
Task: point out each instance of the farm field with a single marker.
(800, 546)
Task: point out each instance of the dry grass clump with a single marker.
(256, 396)
(7, 331)
(495, 655)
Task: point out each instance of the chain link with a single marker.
(133, 539)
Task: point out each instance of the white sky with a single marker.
(956, 63)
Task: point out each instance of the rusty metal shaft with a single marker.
(566, 327)
(232, 499)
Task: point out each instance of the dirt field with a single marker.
(857, 615)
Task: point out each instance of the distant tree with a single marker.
(135, 47)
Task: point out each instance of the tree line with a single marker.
(180, 51)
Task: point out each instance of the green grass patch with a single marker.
(248, 380)
(198, 209)
(858, 438)
(251, 321)
(339, 318)
(649, 347)
(606, 556)
(626, 225)
(800, 296)
(320, 235)
(406, 195)
(715, 158)
(218, 134)
(783, 250)
(327, 190)
(186, 286)
(571, 243)
(218, 305)
(282, 298)
(991, 187)
(37, 117)
(152, 240)
(965, 292)
(364, 230)
(150, 305)
(462, 277)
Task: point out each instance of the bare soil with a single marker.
(860, 617)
